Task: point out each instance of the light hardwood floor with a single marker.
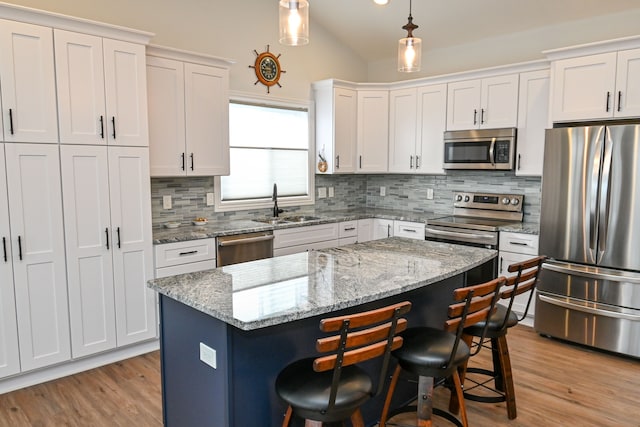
(557, 385)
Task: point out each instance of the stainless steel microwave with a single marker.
(491, 149)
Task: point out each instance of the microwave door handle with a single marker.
(491, 152)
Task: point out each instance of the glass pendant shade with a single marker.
(294, 22)
(409, 54)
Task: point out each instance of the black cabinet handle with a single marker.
(19, 248)
(519, 161)
(187, 253)
(106, 231)
(360, 162)
(417, 162)
(608, 97)
(410, 162)
(482, 116)
(500, 271)
(182, 155)
(118, 233)
(475, 115)
(11, 121)
(192, 165)
(619, 100)
(338, 161)
(113, 122)
(102, 127)
(4, 248)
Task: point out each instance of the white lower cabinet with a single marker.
(513, 248)
(300, 239)
(382, 228)
(348, 232)
(108, 246)
(9, 351)
(37, 249)
(184, 257)
(411, 230)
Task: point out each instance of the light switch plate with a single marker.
(429, 193)
(208, 355)
(209, 199)
(322, 192)
(166, 202)
(331, 193)
(383, 191)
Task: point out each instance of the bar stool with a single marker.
(495, 337)
(332, 388)
(434, 355)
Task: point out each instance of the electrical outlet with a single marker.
(208, 355)
(166, 202)
(331, 193)
(322, 192)
(209, 199)
(383, 191)
(429, 193)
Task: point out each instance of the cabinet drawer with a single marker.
(411, 230)
(304, 235)
(519, 243)
(171, 254)
(348, 229)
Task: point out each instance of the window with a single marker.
(268, 144)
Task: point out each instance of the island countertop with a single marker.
(279, 290)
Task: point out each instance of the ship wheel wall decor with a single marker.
(267, 68)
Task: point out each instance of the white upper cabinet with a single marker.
(9, 351)
(417, 119)
(188, 118)
(102, 92)
(486, 103)
(27, 80)
(600, 86)
(37, 245)
(533, 119)
(373, 131)
(336, 110)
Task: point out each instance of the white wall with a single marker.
(516, 47)
(224, 28)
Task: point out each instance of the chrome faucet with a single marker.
(276, 210)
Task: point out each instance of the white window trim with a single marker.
(235, 205)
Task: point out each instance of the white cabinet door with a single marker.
(165, 92)
(345, 130)
(85, 183)
(27, 79)
(410, 230)
(126, 93)
(129, 190)
(499, 102)
(583, 88)
(432, 121)
(365, 230)
(463, 104)
(382, 228)
(628, 84)
(207, 119)
(80, 81)
(402, 130)
(373, 130)
(533, 119)
(9, 352)
(35, 209)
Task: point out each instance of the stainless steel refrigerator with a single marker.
(589, 291)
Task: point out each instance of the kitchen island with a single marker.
(227, 332)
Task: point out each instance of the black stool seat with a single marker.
(496, 326)
(426, 350)
(308, 391)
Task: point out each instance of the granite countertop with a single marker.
(230, 227)
(278, 290)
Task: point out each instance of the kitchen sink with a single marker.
(272, 221)
(300, 218)
(287, 220)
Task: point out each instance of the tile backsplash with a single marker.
(404, 192)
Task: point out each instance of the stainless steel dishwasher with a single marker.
(244, 247)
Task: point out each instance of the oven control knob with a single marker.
(505, 201)
(459, 198)
(515, 201)
(466, 198)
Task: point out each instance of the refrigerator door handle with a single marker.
(593, 208)
(601, 274)
(564, 303)
(605, 199)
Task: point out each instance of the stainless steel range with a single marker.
(476, 219)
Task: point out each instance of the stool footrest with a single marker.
(413, 408)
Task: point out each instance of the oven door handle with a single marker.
(457, 234)
(562, 302)
(244, 241)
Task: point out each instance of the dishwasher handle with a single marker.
(243, 241)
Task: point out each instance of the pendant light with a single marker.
(409, 48)
(294, 22)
